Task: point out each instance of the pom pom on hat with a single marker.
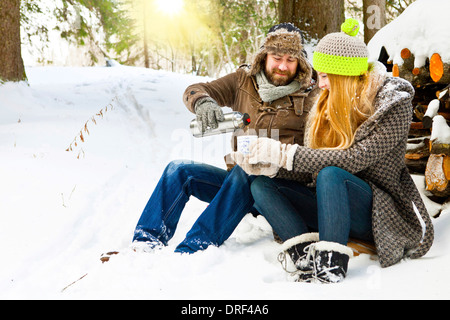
(350, 27)
(342, 53)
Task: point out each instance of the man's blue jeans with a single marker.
(338, 208)
(228, 195)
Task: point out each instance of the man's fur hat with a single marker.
(284, 38)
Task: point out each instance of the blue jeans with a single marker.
(228, 194)
(338, 208)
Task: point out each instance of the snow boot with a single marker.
(330, 262)
(297, 249)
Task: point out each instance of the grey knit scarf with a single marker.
(269, 92)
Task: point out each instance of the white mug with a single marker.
(243, 143)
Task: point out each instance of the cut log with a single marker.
(417, 76)
(417, 149)
(445, 114)
(440, 148)
(395, 71)
(432, 111)
(436, 67)
(439, 70)
(440, 136)
(425, 94)
(444, 96)
(417, 130)
(417, 153)
(419, 111)
(416, 166)
(406, 70)
(405, 54)
(362, 247)
(444, 93)
(427, 122)
(437, 175)
(420, 76)
(434, 70)
(408, 60)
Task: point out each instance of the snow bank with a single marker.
(59, 213)
(422, 28)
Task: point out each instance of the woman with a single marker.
(350, 178)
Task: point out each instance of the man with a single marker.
(277, 91)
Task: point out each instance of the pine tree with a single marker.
(11, 63)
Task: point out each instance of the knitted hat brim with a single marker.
(345, 66)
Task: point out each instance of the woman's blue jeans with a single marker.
(338, 208)
(228, 194)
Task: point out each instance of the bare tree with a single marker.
(316, 18)
(395, 7)
(11, 63)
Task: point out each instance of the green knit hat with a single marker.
(341, 52)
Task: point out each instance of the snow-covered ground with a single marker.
(58, 212)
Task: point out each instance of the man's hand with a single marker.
(209, 113)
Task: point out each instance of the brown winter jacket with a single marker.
(285, 117)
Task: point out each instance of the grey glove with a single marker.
(209, 113)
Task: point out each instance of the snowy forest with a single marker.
(91, 113)
(207, 37)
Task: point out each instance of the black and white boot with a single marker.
(297, 249)
(330, 262)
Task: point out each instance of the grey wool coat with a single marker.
(401, 224)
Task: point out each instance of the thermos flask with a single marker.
(233, 121)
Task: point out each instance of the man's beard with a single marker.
(277, 80)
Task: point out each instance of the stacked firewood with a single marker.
(434, 71)
(428, 150)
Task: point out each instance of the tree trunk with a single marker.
(374, 17)
(11, 63)
(315, 18)
(144, 21)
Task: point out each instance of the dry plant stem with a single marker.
(80, 136)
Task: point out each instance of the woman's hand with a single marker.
(273, 152)
(266, 157)
(257, 169)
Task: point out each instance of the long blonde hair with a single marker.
(339, 112)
